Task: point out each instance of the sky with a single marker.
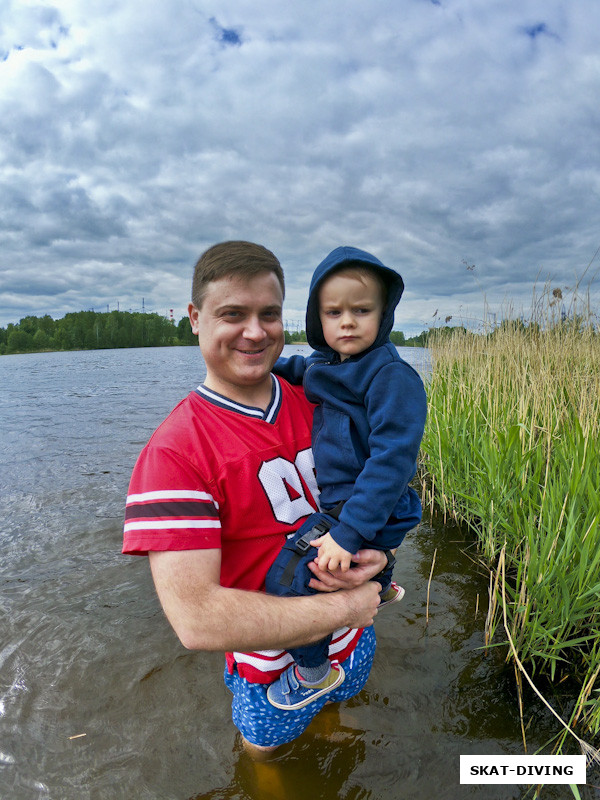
(456, 140)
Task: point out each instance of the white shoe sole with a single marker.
(399, 595)
(315, 696)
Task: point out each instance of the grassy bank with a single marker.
(512, 451)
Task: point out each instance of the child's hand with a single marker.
(331, 555)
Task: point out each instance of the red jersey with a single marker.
(219, 474)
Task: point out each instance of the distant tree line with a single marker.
(396, 337)
(95, 330)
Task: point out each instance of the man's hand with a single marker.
(368, 564)
(362, 604)
(331, 555)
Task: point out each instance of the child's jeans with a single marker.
(289, 574)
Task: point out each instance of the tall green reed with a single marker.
(512, 451)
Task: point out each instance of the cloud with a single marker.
(538, 29)
(227, 36)
(135, 135)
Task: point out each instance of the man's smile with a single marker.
(251, 352)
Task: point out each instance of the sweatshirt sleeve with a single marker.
(396, 407)
(292, 369)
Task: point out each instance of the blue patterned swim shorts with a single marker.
(262, 724)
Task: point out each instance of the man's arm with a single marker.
(208, 616)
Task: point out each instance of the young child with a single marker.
(367, 430)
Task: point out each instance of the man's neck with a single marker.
(258, 396)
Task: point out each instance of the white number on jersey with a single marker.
(282, 483)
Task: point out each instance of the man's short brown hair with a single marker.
(232, 258)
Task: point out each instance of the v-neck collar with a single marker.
(268, 415)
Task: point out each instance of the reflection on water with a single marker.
(97, 698)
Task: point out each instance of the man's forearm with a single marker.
(241, 620)
(208, 616)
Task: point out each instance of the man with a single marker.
(222, 483)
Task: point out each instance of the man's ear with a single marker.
(194, 315)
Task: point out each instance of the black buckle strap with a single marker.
(320, 529)
(302, 545)
(391, 563)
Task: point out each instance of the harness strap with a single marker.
(302, 545)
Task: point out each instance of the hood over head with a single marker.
(340, 258)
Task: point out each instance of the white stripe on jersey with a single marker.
(272, 660)
(339, 644)
(275, 404)
(262, 665)
(171, 494)
(169, 523)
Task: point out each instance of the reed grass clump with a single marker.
(512, 451)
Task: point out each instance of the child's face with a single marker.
(350, 309)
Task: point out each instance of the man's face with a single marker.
(240, 333)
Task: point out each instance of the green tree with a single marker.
(94, 330)
(29, 325)
(41, 340)
(19, 341)
(111, 329)
(418, 341)
(184, 332)
(397, 338)
(47, 324)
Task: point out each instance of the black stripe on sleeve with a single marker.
(187, 508)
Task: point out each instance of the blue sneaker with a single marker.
(289, 693)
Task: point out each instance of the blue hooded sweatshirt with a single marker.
(369, 420)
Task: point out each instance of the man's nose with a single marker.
(254, 329)
(347, 319)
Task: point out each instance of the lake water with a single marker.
(99, 701)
